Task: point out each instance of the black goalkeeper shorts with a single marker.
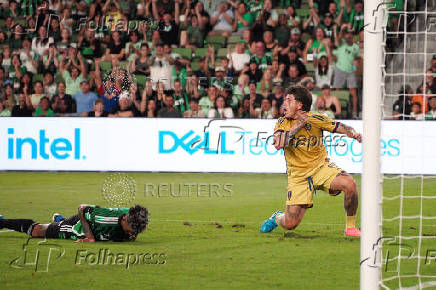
(62, 229)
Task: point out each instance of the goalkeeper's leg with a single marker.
(27, 226)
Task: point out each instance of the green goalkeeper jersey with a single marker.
(105, 223)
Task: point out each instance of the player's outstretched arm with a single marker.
(85, 225)
(349, 131)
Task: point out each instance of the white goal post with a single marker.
(371, 193)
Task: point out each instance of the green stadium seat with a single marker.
(216, 40)
(200, 52)
(303, 13)
(195, 65)
(38, 77)
(222, 53)
(105, 65)
(342, 94)
(309, 67)
(233, 39)
(141, 80)
(185, 53)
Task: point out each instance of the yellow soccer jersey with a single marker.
(306, 150)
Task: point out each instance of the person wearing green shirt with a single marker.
(77, 75)
(207, 102)
(243, 19)
(260, 57)
(43, 109)
(91, 224)
(356, 16)
(181, 98)
(346, 55)
(254, 6)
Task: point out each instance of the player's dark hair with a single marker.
(137, 218)
(302, 95)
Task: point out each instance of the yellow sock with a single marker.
(351, 221)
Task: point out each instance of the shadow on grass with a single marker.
(295, 235)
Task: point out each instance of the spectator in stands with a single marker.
(433, 64)
(293, 77)
(50, 59)
(193, 35)
(317, 46)
(329, 26)
(292, 59)
(49, 85)
(253, 72)
(181, 98)
(207, 102)
(323, 71)
(23, 108)
(282, 31)
(65, 40)
(139, 64)
(312, 20)
(54, 29)
(265, 111)
(416, 113)
(41, 43)
(266, 83)
(126, 107)
(26, 86)
(239, 59)
(243, 19)
(168, 28)
(8, 96)
(420, 97)
(331, 102)
(169, 111)
(356, 16)
(293, 20)
(431, 115)
(62, 96)
(38, 94)
(194, 111)
(85, 99)
(222, 20)
(98, 110)
(333, 10)
(4, 111)
(260, 57)
(115, 48)
(429, 81)
(6, 58)
(160, 67)
(193, 89)
(346, 55)
(322, 109)
(271, 46)
(309, 84)
(78, 73)
(43, 110)
(16, 69)
(90, 47)
(244, 109)
(255, 98)
(151, 109)
(403, 106)
(16, 39)
(220, 110)
(278, 96)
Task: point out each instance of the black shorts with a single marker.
(63, 229)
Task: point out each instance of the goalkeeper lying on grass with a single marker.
(92, 223)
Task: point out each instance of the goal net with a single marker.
(408, 231)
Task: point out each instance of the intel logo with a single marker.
(44, 147)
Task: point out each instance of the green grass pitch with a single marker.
(206, 241)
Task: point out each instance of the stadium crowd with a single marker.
(182, 58)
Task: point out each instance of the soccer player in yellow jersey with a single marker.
(300, 134)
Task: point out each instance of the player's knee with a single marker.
(290, 225)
